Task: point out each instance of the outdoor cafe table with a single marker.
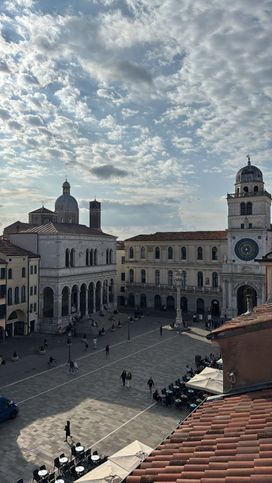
(95, 457)
(79, 449)
(79, 469)
(42, 473)
(63, 460)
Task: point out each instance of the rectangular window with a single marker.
(250, 225)
(31, 308)
(123, 276)
(123, 260)
(122, 289)
(242, 226)
(31, 269)
(31, 290)
(2, 291)
(35, 307)
(35, 268)
(35, 289)
(3, 273)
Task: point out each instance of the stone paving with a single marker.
(101, 411)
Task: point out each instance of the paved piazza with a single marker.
(101, 411)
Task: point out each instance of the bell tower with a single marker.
(249, 237)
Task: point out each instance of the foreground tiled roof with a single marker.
(223, 441)
(181, 235)
(17, 226)
(9, 249)
(260, 315)
(66, 228)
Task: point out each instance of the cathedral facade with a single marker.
(217, 268)
(77, 262)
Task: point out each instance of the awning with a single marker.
(131, 455)
(209, 380)
(108, 472)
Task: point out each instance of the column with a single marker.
(101, 296)
(178, 280)
(107, 294)
(86, 301)
(94, 301)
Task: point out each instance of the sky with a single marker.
(151, 106)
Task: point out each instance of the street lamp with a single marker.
(69, 343)
(178, 280)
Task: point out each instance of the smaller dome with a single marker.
(249, 174)
(66, 185)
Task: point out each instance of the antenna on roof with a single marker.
(248, 160)
(42, 203)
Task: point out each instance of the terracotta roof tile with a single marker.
(7, 248)
(180, 235)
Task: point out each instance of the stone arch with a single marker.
(111, 291)
(65, 301)
(91, 298)
(131, 300)
(98, 296)
(16, 323)
(170, 302)
(143, 301)
(74, 299)
(157, 302)
(242, 293)
(48, 302)
(105, 292)
(200, 307)
(82, 299)
(184, 304)
(215, 308)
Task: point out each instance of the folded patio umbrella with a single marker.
(209, 380)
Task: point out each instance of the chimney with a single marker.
(95, 214)
(245, 344)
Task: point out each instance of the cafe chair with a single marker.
(20, 481)
(36, 476)
(57, 463)
(78, 444)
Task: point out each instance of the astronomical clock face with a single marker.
(246, 249)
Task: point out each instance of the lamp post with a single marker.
(69, 343)
(178, 280)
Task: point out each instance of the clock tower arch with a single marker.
(249, 237)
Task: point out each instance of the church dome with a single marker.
(66, 202)
(66, 206)
(249, 174)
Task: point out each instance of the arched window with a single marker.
(170, 278)
(48, 302)
(67, 258)
(131, 253)
(183, 279)
(183, 254)
(142, 252)
(157, 277)
(245, 189)
(72, 258)
(9, 273)
(214, 253)
(107, 257)
(143, 301)
(184, 304)
(110, 256)
(157, 253)
(23, 272)
(95, 256)
(256, 189)
(170, 253)
(91, 257)
(87, 257)
(143, 276)
(65, 301)
(249, 208)
(23, 294)
(238, 191)
(200, 279)
(10, 296)
(200, 253)
(242, 208)
(200, 306)
(16, 295)
(131, 275)
(215, 279)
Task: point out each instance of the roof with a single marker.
(260, 317)
(181, 235)
(42, 210)
(17, 227)
(66, 228)
(2, 262)
(249, 173)
(9, 249)
(120, 245)
(222, 441)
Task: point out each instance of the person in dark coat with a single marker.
(123, 377)
(107, 349)
(67, 430)
(150, 384)
(160, 330)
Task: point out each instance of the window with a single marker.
(157, 253)
(200, 253)
(10, 296)
(170, 278)
(157, 277)
(123, 260)
(183, 279)
(170, 253)
(250, 225)
(72, 258)
(23, 293)
(2, 291)
(249, 208)
(91, 257)
(95, 256)
(31, 269)
(143, 279)
(35, 268)
(123, 276)
(31, 308)
(142, 252)
(67, 258)
(110, 256)
(200, 279)
(214, 253)
(35, 289)
(183, 254)
(35, 307)
(122, 289)
(245, 189)
(242, 208)
(3, 273)
(23, 272)
(107, 256)
(131, 275)
(131, 253)
(242, 226)
(215, 279)
(256, 189)
(16, 295)
(87, 258)
(9, 273)
(31, 290)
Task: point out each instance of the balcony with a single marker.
(249, 194)
(164, 287)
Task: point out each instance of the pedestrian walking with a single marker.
(86, 345)
(150, 384)
(76, 369)
(128, 378)
(67, 429)
(51, 361)
(45, 344)
(107, 349)
(123, 377)
(71, 367)
(161, 330)
(95, 342)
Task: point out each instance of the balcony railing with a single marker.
(249, 194)
(187, 288)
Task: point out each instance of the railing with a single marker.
(249, 194)
(187, 288)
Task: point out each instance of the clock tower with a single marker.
(249, 237)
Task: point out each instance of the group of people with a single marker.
(73, 367)
(126, 377)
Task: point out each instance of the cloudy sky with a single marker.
(149, 105)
